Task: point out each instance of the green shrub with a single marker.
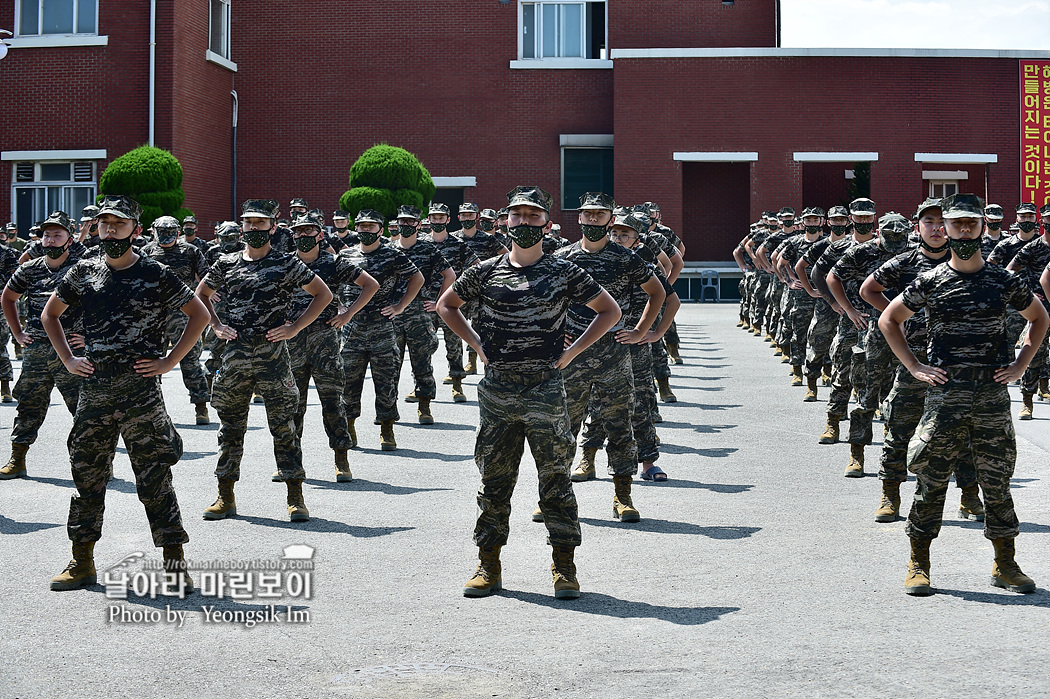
(385, 177)
(151, 176)
(382, 200)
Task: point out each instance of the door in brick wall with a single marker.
(716, 203)
(830, 184)
(453, 197)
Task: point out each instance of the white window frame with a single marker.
(40, 16)
(559, 62)
(224, 54)
(64, 185)
(943, 183)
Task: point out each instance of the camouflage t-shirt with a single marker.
(125, 311)
(616, 268)
(36, 249)
(198, 242)
(1006, 250)
(552, 243)
(338, 243)
(482, 244)
(457, 253)
(336, 272)
(388, 266)
(636, 307)
(987, 244)
(185, 260)
(669, 234)
(966, 314)
(428, 260)
(216, 251)
(796, 247)
(257, 293)
(281, 240)
(1032, 259)
(8, 263)
(854, 267)
(896, 275)
(521, 310)
(35, 281)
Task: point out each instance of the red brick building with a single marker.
(690, 104)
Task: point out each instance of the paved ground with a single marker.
(756, 571)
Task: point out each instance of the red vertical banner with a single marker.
(1035, 132)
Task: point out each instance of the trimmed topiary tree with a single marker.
(152, 177)
(384, 178)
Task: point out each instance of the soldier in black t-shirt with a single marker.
(523, 299)
(125, 300)
(460, 256)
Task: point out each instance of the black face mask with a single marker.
(813, 230)
(839, 230)
(788, 222)
(467, 225)
(55, 253)
(116, 248)
(228, 244)
(368, 237)
(1027, 226)
(994, 225)
(189, 232)
(526, 236)
(503, 228)
(439, 227)
(929, 248)
(167, 239)
(305, 243)
(864, 228)
(594, 233)
(342, 229)
(486, 225)
(405, 231)
(257, 239)
(965, 248)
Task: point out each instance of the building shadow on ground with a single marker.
(605, 605)
(662, 526)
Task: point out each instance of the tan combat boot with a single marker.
(811, 389)
(202, 413)
(411, 398)
(5, 391)
(623, 508)
(537, 515)
(425, 416)
(1044, 389)
(830, 435)
(563, 569)
(825, 375)
(917, 581)
(855, 468)
(457, 391)
(796, 375)
(970, 505)
(175, 564)
(1026, 406)
(672, 353)
(665, 391)
(297, 511)
(386, 436)
(584, 470)
(352, 430)
(16, 465)
(447, 380)
(890, 505)
(81, 570)
(224, 506)
(785, 351)
(342, 467)
(472, 362)
(1005, 572)
(488, 577)
(778, 351)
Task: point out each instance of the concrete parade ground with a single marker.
(757, 569)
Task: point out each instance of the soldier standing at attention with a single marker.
(189, 265)
(125, 300)
(522, 302)
(9, 261)
(1029, 263)
(969, 364)
(369, 341)
(256, 286)
(342, 236)
(189, 235)
(41, 371)
(315, 352)
(993, 223)
(414, 328)
(484, 246)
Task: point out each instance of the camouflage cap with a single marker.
(503, 212)
(318, 213)
(260, 208)
(12, 226)
(298, 201)
(862, 206)
(1026, 208)
(369, 216)
(189, 219)
(555, 228)
(786, 212)
(653, 207)
(228, 229)
(165, 222)
(529, 196)
(768, 214)
(56, 218)
(892, 222)
(437, 207)
(468, 207)
(597, 201)
(488, 213)
(310, 218)
(1044, 210)
(408, 211)
(635, 220)
(339, 213)
(963, 206)
(993, 212)
(929, 203)
(120, 205)
(812, 211)
(88, 212)
(838, 211)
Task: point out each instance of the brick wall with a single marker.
(691, 23)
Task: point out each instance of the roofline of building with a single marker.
(619, 54)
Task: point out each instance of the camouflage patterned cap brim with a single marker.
(260, 208)
(862, 207)
(529, 196)
(993, 212)
(1026, 208)
(298, 201)
(57, 218)
(599, 201)
(438, 208)
(307, 219)
(88, 212)
(489, 214)
(369, 216)
(963, 206)
(166, 222)
(838, 211)
(1045, 209)
(121, 206)
(467, 208)
(930, 203)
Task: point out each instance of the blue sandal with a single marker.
(654, 474)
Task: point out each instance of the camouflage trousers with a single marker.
(821, 333)
(760, 298)
(190, 366)
(969, 413)
(594, 432)
(603, 370)
(215, 347)
(661, 362)
(772, 319)
(315, 354)
(365, 344)
(453, 349)
(904, 407)
(784, 328)
(41, 372)
(117, 402)
(254, 364)
(802, 307)
(515, 407)
(879, 366)
(841, 361)
(414, 331)
(6, 372)
(671, 335)
(1034, 372)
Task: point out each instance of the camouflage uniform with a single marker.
(803, 305)
(966, 317)
(459, 256)
(841, 350)
(520, 319)
(414, 327)
(1003, 255)
(369, 340)
(123, 316)
(1032, 259)
(825, 321)
(8, 265)
(257, 294)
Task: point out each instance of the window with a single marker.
(219, 33)
(552, 29)
(943, 188)
(43, 187)
(584, 170)
(44, 17)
